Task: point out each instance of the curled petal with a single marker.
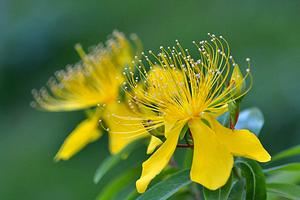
(241, 142)
(85, 133)
(155, 164)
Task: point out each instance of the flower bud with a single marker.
(237, 82)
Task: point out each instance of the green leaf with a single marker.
(220, 194)
(238, 190)
(293, 151)
(290, 177)
(251, 119)
(188, 158)
(287, 167)
(167, 172)
(118, 184)
(112, 160)
(132, 195)
(255, 179)
(168, 187)
(164, 174)
(289, 191)
(184, 195)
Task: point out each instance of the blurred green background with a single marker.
(37, 38)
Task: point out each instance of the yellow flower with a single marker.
(182, 91)
(93, 82)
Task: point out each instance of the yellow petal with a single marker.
(241, 142)
(154, 142)
(159, 159)
(85, 133)
(212, 161)
(122, 131)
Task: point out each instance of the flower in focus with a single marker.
(92, 83)
(180, 92)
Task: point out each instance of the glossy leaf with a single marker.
(188, 158)
(164, 174)
(220, 194)
(290, 177)
(287, 167)
(288, 191)
(118, 184)
(113, 160)
(251, 119)
(238, 190)
(255, 179)
(132, 195)
(166, 188)
(293, 151)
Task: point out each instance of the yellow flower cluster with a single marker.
(166, 97)
(92, 83)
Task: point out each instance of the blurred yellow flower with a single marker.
(180, 91)
(93, 82)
